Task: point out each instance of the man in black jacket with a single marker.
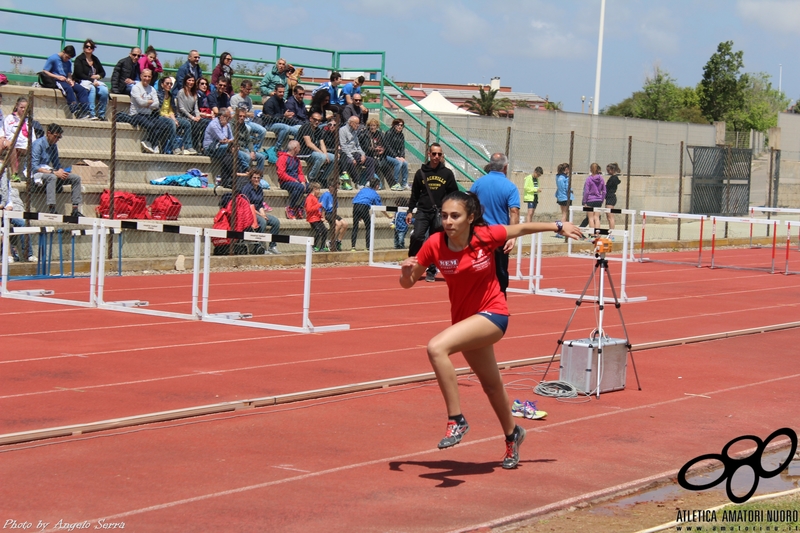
(435, 177)
(126, 72)
(276, 118)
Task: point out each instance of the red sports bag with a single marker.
(165, 207)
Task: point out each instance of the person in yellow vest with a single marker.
(531, 192)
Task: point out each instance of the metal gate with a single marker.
(720, 180)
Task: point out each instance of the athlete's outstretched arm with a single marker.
(568, 229)
(410, 272)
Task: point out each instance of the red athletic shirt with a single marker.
(470, 274)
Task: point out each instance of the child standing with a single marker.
(314, 217)
(400, 224)
(531, 192)
(594, 193)
(340, 225)
(362, 201)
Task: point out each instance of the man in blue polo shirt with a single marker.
(57, 73)
(500, 201)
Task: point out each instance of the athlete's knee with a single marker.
(437, 350)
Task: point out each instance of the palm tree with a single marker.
(487, 105)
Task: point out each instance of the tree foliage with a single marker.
(742, 101)
(487, 104)
(722, 87)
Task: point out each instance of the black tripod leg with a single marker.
(622, 321)
(575, 310)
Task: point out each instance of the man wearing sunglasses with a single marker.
(433, 181)
(126, 72)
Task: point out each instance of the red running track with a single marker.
(361, 462)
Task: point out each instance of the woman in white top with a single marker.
(10, 125)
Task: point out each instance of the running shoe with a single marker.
(430, 277)
(455, 432)
(511, 460)
(397, 187)
(530, 412)
(518, 408)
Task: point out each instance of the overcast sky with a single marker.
(544, 46)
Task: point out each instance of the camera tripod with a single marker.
(602, 245)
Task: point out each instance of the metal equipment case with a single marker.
(579, 366)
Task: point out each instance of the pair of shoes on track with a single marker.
(527, 410)
(456, 431)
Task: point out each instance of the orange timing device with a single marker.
(602, 245)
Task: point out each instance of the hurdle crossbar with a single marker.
(628, 251)
(140, 306)
(374, 209)
(43, 295)
(770, 223)
(676, 216)
(238, 319)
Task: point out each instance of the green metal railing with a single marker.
(145, 34)
(468, 159)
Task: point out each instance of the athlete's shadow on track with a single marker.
(449, 470)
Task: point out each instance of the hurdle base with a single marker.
(221, 319)
(233, 315)
(129, 303)
(33, 292)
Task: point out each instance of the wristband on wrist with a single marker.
(559, 226)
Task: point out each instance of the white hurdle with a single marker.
(628, 254)
(535, 280)
(236, 318)
(518, 275)
(372, 218)
(678, 217)
(769, 223)
(777, 210)
(140, 306)
(43, 295)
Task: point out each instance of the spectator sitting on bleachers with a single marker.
(47, 169)
(242, 99)
(313, 146)
(296, 105)
(395, 144)
(276, 118)
(144, 100)
(20, 148)
(371, 140)
(329, 205)
(179, 125)
(219, 100)
(88, 71)
(58, 72)
(11, 201)
(290, 176)
(203, 94)
(248, 155)
(320, 102)
(352, 155)
(314, 217)
(190, 68)
(336, 101)
(351, 89)
(150, 60)
(186, 104)
(217, 145)
(126, 72)
(223, 71)
(277, 75)
(255, 194)
(356, 110)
